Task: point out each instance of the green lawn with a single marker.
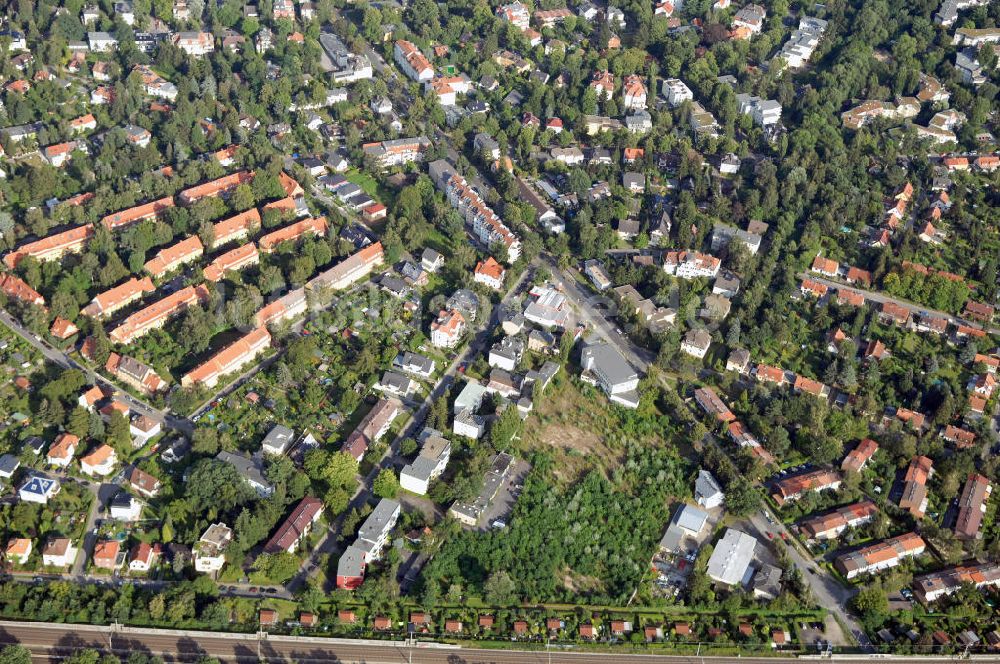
(363, 180)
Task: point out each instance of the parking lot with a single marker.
(502, 505)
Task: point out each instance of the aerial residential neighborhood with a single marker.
(651, 328)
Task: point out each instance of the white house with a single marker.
(707, 491)
(101, 461)
(676, 92)
(59, 552)
(413, 63)
(696, 343)
(448, 329)
(38, 489)
(101, 42)
(125, 507)
(210, 550)
(429, 464)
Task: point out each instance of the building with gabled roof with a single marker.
(932, 587)
(794, 487)
(881, 556)
(16, 288)
(413, 63)
(52, 247)
(288, 306)
(62, 450)
(234, 259)
(293, 232)
(489, 273)
(131, 371)
(170, 258)
(230, 359)
(133, 215)
(218, 187)
(831, 524)
(100, 461)
(710, 402)
(913, 498)
(352, 269)
(290, 533)
(237, 227)
(158, 313)
(859, 457)
(107, 303)
(972, 507)
(372, 427)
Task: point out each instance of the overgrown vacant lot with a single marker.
(582, 431)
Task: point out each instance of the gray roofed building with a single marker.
(414, 364)
(707, 491)
(767, 582)
(8, 465)
(277, 440)
(716, 307)
(434, 454)
(375, 530)
(727, 284)
(688, 522)
(603, 365)
(639, 122)
(464, 301)
(469, 513)
(723, 235)
(731, 558)
(633, 182)
(395, 383)
(351, 564)
(506, 353)
(249, 470)
(394, 286)
(470, 398)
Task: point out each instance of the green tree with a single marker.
(500, 590)
(15, 654)
(386, 484)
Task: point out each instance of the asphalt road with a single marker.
(51, 643)
(827, 591)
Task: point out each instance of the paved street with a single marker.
(827, 591)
